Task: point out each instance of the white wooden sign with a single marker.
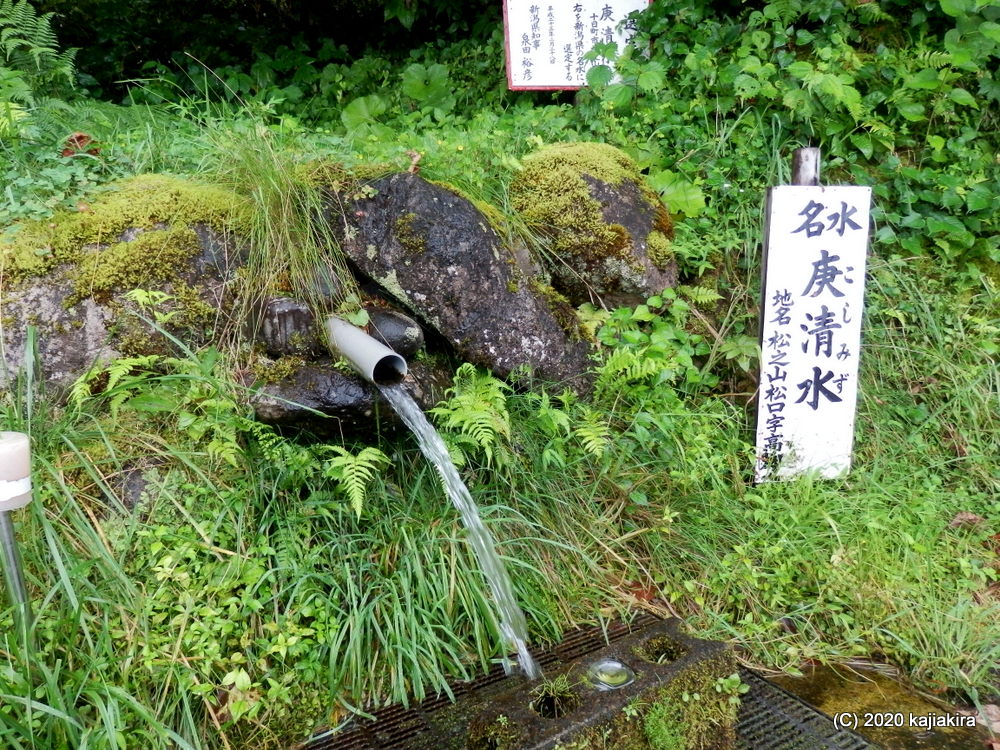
(812, 301)
(547, 39)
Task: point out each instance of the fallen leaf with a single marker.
(991, 714)
(640, 592)
(965, 519)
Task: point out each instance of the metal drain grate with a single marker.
(770, 717)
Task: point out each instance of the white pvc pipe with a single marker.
(15, 492)
(372, 359)
(15, 470)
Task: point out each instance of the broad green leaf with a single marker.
(746, 86)
(362, 111)
(912, 111)
(800, 69)
(956, 7)
(760, 39)
(979, 198)
(963, 97)
(990, 88)
(619, 95)
(292, 93)
(863, 143)
(358, 318)
(990, 30)
(944, 224)
(599, 76)
(679, 194)
(427, 84)
(925, 79)
(642, 314)
(650, 81)
(403, 11)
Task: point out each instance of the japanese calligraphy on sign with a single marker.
(812, 298)
(547, 39)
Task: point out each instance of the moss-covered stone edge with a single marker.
(687, 713)
(552, 195)
(162, 207)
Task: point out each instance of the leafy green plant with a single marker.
(732, 686)
(555, 697)
(475, 416)
(354, 471)
(650, 347)
(187, 390)
(31, 52)
(429, 87)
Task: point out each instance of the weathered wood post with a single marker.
(805, 166)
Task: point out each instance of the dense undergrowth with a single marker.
(263, 583)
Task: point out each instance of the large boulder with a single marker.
(329, 402)
(436, 254)
(68, 276)
(609, 233)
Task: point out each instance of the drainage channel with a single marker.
(770, 717)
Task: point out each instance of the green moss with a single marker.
(660, 249)
(552, 195)
(144, 202)
(408, 236)
(662, 222)
(150, 259)
(273, 371)
(687, 713)
(662, 729)
(599, 160)
(500, 734)
(561, 309)
(690, 706)
(183, 314)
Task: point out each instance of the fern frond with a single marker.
(624, 366)
(126, 366)
(784, 11)
(934, 58)
(594, 433)
(699, 295)
(29, 46)
(477, 409)
(355, 472)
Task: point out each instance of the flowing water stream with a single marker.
(512, 624)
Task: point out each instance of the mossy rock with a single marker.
(148, 203)
(608, 231)
(69, 275)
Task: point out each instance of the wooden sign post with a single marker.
(546, 39)
(816, 241)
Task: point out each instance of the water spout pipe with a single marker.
(375, 361)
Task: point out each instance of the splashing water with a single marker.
(512, 624)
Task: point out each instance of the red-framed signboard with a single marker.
(546, 40)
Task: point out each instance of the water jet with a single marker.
(384, 368)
